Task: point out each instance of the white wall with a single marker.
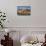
(37, 19)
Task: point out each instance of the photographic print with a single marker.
(23, 10)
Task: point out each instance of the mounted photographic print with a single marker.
(24, 10)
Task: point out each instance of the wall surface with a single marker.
(37, 19)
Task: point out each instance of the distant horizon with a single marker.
(23, 7)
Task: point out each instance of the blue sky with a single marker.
(23, 7)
